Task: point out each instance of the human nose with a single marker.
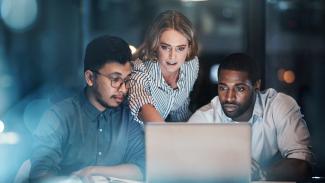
(230, 96)
(123, 87)
(172, 53)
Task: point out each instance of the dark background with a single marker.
(42, 42)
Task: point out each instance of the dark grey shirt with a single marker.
(73, 134)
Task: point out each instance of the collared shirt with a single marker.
(277, 126)
(149, 87)
(73, 134)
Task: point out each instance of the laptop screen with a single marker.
(187, 152)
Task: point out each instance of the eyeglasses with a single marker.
(116, 82)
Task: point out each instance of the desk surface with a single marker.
(100, 179)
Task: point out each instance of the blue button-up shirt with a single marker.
(73, 134)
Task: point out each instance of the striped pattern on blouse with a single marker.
(149, 87)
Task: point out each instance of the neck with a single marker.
(171, 78)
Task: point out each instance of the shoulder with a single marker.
(141, 65)
(206, 112)
(194, 63)
(277, 100)
(141, 70)
(65, 106)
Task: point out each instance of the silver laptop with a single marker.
(187, 152)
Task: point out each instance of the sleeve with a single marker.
(136, 150)
(139, 92)
(292, 133)
(203, 115)
(183, 113)
(194, 67)
(47, 147)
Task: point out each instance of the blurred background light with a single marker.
(19, 14)
(2, 126)
(214, 73)
(193, 0)
(5, 81)
(133, 49)
(289, 77)
(9, 138)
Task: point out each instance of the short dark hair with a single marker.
(106, 49)
(241, 62)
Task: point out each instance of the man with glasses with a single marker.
(92, 133)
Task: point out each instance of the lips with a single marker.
(119, 98)
(171, 63)
(230, 107)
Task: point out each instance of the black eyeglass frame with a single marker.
(115, 82)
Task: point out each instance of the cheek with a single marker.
(105, 90)
(244, 98)
(162, 55)
(221, 96)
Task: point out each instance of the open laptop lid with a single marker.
(187, 152)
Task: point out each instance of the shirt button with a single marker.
(99, 153)
(100, 130)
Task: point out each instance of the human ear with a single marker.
(89, 77)
(257, 85)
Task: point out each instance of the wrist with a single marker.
(262, 174)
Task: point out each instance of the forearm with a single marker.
(123, 171)
(149, 114)
(289, 169)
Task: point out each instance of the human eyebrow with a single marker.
(165, 44)
(245, 85)
(115, 74)
(182, 45)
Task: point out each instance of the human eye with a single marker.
(222, 88)
(116, 80)
(164, 47)
(240, 88)
(180, 49)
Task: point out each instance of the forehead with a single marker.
(173, 38)
(233, 77)
(114, 67)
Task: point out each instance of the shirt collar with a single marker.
(158, 77)
(258, 108)
(257, 112)
(90, 111)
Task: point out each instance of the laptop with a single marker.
(187, 152)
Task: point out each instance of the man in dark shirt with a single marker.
(92, 133)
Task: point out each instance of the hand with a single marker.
(85, 174)
(257, 173)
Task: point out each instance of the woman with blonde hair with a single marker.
(165, 71)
